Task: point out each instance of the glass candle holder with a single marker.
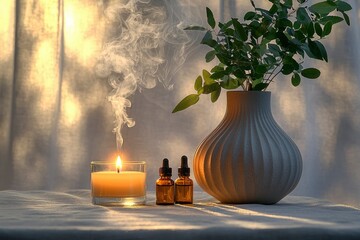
(111, 185)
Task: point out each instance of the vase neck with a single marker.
(249, 101)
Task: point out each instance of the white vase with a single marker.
(248, 158)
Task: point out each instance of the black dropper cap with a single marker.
(165, 170)
(184, 170)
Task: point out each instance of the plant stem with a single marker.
(268, 80)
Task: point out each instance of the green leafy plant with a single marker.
(252, 52)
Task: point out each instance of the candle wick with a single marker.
(118, 170)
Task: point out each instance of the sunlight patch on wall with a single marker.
(6, 29)
(44, 75)
(51, 13)
(292, 108)
(79, 31)
(70, 109)
(7, 34)
(71, 140)
(45, 10)
(336, 82)
(43, 57)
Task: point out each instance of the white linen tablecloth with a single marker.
(70, 215)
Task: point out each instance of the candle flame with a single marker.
(118, 164)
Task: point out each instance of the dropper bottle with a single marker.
(165, 185)
(183, 184)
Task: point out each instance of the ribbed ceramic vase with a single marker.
(248, 158)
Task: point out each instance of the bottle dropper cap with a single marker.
(184, 170)
(165, 170)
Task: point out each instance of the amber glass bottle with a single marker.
(165, 185)
(183, 184)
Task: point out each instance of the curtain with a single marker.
(50, 100)
(55, 117)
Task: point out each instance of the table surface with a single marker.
(70, 215)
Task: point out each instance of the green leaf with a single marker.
(311, 73)
(287, 69)
(217, 68)
(322, 50)
(269, 36)
(347, 19)
(288, 3)
(256, 81)
(186, 102)
(295, 79)
(274, 49)
(224, 26)
(260, 86)
(343, 6)
(207, 37)
(302, 15)
(239, 73)
(305, 48)
(318, 50)
(314, 49)
(197, 28)
(270, 60)
(265, 13)
(318, 29)
(289, 60)
(207, 79)
(210, 56)
(297, 25)
(218, 75)
(284, 22)
(299, 35)
(322, 8)
(310, 30)
(327, 28)
(229, 32)
(210, 18)
(198, 83)
(231, 83)
(253, 4)
(239, 29)
(261, 69)
(215, 95)
(208, 40)
(249, 15)
(211, 88)
(332, 19)
(274, 8)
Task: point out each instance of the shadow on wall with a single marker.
(329, 136)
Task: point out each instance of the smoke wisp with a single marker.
(148, 47)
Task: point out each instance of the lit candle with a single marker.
(127, 180)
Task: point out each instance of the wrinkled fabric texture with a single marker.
(70, 214)
(55, 118)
